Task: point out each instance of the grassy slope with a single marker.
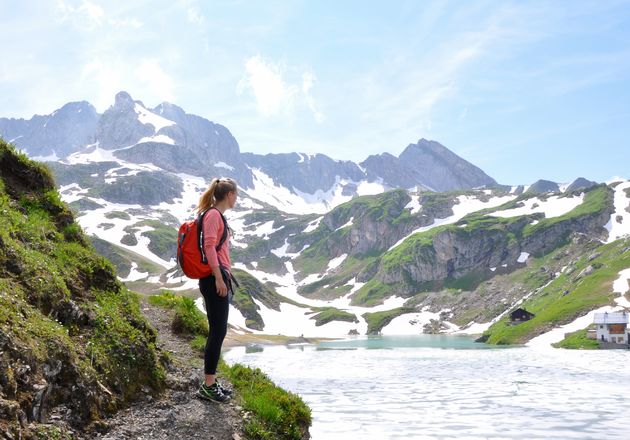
(553, 307)
(61, 302)
(419, 247)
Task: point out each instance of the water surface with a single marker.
(417, 387)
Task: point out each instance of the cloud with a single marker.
(194, 16)
(103, 78)
(308, 80)
(157, 82)
(273, 94)
(264, 79)
(89, 16)
(132, 23)
(86, 16)
(147, 81)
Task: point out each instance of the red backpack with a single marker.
(190, 254)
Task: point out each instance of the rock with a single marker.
(586, 272)
(593, 256)
(39, 408)
(8, 409)
(580, 184)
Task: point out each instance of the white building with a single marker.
(612, 327)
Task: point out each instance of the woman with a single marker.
(219, 197)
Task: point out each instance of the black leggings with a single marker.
(217, 308)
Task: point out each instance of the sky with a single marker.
(525, 90)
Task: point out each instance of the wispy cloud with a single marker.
(86, 15)
(308, 80)
(264, 79)
(273, 94)
(90, 16)
(146, 80)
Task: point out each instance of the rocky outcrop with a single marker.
(365, 224)
(543, 187)
(460, 250)
(305, 173)
(580, 184)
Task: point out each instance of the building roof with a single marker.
(611, 318)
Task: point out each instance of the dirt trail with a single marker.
(177, 414)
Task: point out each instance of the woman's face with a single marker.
(232, 196)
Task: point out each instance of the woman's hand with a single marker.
(222, 289)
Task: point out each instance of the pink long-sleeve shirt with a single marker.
(212, 232)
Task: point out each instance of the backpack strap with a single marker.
(224, 236)
(226, 228)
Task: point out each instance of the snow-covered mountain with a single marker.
(421, 242)
(168, 138)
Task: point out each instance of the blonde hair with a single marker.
(217, 191)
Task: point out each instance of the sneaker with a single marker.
(212, 392)
(224, 390)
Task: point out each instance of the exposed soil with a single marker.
(177, 413)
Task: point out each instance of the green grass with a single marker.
(553, 307)
(61, 304)
(372, 293)
(117, 214)
(329, 314)
(187, 319)
(276, 414)
(377, 320)
(578, 341)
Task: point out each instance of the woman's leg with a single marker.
(217, 309)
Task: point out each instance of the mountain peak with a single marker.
(123, 101)
(425, 145)
(441, 169)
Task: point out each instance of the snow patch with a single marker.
(414, 205)
(224, 165)
(619, 228)
(370, 188)
(134, 274)
(295, 201)
(523, 257)
(348, 223)
(413, 323)
(620, 286)
(159, 138)
(336, 262)
(147, 117)
(313, 225)
(554, 206)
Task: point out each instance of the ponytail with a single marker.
(217, 191)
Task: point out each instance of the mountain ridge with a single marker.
(333, 236)
(129, 124)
